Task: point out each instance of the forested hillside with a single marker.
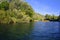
(16, 11)
(12, 11)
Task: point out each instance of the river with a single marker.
(30, 31)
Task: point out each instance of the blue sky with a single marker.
(45, 6)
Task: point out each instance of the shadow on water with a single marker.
(19, 31)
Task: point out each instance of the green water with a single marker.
(15, 31)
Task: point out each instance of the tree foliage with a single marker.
(12, 11)
(52, 17)
(4, 5)
(59, 17)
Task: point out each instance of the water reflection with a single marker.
(59, 28)
(45, 31)
(15, 32)
(30, 31)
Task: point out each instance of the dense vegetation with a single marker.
(38, 17)
(12, 11)
(52, 17)
(16, 11)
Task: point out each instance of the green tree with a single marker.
(59, 17)
(4, 5)
(47, 16)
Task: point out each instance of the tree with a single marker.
(4, 5)
(51, 17)
(59, 17)
(47, 17)
(27, 8)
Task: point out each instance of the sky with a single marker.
(43, 7)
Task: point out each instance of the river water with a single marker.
(30, 31)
